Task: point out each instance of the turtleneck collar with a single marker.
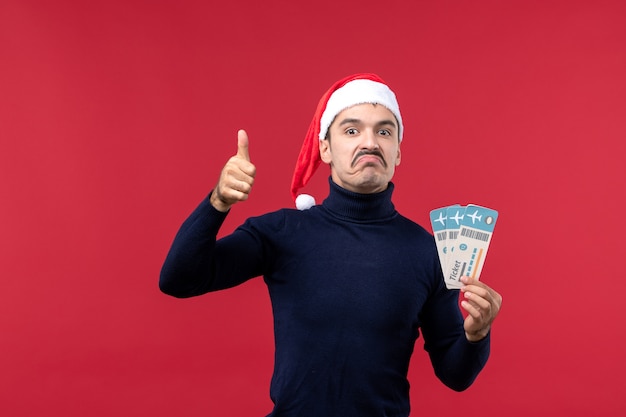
(359, 207)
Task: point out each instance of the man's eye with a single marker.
(351, 131)
(384, 132)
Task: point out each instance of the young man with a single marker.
(352, 282)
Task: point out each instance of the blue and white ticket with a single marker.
(462, 235)
(444, 230)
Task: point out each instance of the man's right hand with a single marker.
(236, 178)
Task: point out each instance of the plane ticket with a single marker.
(462, 235)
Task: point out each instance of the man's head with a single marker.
(362, 147)
(366, 103)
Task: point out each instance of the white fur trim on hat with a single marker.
(355, 92)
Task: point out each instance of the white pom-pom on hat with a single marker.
(347, 92)
(304, 202)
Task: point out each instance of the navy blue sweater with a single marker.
(351, 283)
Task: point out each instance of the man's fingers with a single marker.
(242, 145)
(236, 178)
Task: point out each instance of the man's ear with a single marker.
(325, 151)
(398, 158)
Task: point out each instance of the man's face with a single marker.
(363, 149)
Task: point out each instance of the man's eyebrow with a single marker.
(387, 122)
(351, 121)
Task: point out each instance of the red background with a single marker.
(116, 117)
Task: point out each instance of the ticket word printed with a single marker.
(462, 235)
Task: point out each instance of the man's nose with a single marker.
(370, 141)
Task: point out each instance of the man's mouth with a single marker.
(369, 156)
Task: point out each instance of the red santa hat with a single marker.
(347, 92)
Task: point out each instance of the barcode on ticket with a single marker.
(475, 234)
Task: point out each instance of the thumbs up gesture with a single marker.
(236, 178)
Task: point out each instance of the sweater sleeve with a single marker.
(198, 263)
(456, 361)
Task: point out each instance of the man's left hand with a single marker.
(482, 305)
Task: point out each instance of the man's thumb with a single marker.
(242, 145)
